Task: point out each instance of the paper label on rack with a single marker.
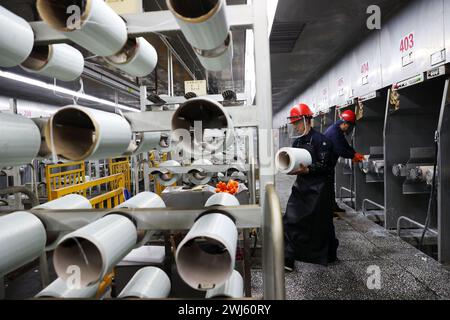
(196, 86)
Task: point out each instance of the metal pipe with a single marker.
(22, 240)
(372, 203)
(213, 118)
(20, 140)
(79, 133)
(345, 189)
(16, 39)
(232, 289)
(59, 61)
(273, 244)
(60, 289)
(288, 160)
(92, 24)
(413, 222)
(30, 194)
(137, 58)
(206, 256)
(147, 283)
(95, 249)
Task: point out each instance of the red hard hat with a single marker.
(300, 111)
(348, 116)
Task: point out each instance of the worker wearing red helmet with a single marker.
(308, 220)
(341, 148)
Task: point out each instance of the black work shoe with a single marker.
(289, 265)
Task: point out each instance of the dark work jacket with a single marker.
(341, 147)
(308, 221)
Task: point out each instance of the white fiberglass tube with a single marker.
(149, 141)
(164, 176)
(80, 133)
(289, 159)
(206, 256)
(232, 289)
(20, 139)
(138, 58)
(16, 39)
(59, 61)
(97, 27)
(199, 176)
(216, 124)
(141, 201)
(60, 289)
(147, 283)
(71, 201)
(95, 249)
(22, 239)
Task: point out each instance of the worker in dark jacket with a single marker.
(341, 148)
(308, 221)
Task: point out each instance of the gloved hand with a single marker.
(358, 158)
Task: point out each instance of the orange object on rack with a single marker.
(232, 187)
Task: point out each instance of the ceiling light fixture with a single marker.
(55, 88)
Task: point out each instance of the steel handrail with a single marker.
(273, 247)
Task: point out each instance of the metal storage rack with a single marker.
(266, 215)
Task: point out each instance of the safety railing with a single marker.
(273, 244)
(108, 200)
(121, 165)
(368, 201)
(58, 176)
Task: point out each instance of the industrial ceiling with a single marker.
(308, 37)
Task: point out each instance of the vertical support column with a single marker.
(170, 90)
(143, 95)
(443, 178)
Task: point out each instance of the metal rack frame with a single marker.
(266, 215)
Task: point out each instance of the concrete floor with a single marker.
(405, 272)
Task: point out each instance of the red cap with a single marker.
(348, 116)
(300, 111)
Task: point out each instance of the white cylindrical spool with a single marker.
(16, 39)
(95, 249)
(203, 23)
(213, 117)
(59, 61)
(141, 201)
(232, 289)
(205, 258)
(164, 176)
(219, 59)
(59, 289)
(148, 141)
(138, 58)
(289, 159)
(222, 199)
(20, 140)
(81, 133)
(71, 201)
(99, 29)
(22, 239)
(198, 176)
(147, 283)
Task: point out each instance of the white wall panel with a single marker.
(413, 41)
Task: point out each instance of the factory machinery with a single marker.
(203, 230)
(401, 99)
